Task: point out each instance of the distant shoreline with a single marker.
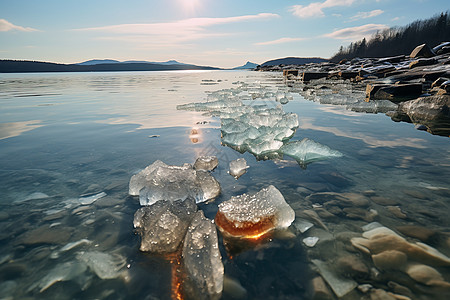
(16, 66)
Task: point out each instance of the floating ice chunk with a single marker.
(72, 245)
(202, 261)
(302, 225)
(139, 180)
(91, 199)
(340, 286)
(311, 241)
(206, 163)
(209, 186)
(264, 144)
(172, 183)
(284, 100)
(251, 216)
(163, 225)
(62, 272)
(104, 265)
(238, 167)
(307, 151)
(33, 196)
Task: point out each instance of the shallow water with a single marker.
(66, 136)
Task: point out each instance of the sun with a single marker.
(190, 6)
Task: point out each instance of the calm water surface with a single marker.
(66, 136)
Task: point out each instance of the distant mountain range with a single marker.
(248, 65)
(293, 61)
(112, 61)
(26, 66)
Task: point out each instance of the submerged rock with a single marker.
(238, 167)
(202, 261)
(104, 265)
(251, 216)
(163, 225)
(163, 182)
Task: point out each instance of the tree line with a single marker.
(399, 40)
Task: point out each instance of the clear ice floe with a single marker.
(91, 199)
(163, 182)
(340, 286)
(67, 271)
(163, 225)
(373, 106)
(33, 196)
(311, 241)
(206, 163)
(202, 261)
(104, 265)
(238, 167)
(307, 151)
(258, 129)
(251, 216)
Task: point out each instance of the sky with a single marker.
(220, 33)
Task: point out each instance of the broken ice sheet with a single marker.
(163, 225)
(91, 199)
(67, 271)
(238, 167)
(104, 265)
(310, 241)
(340, 286)
(206, 163)
(163, 182)
(202, 261)
(252, 216)
(307, 151)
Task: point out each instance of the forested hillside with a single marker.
(399, 40)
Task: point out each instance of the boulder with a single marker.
(422, 62)
(422, 51)
(427, 108)
(394, 92)
(307, 76)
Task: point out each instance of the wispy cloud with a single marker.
(187, 28)
(315, 9)
(366, 14)
(280, 41)
(355, 33)
(8, 26)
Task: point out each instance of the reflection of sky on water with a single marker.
(12, 129)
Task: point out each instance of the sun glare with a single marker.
(190, 6)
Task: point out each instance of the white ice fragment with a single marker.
(311, 241)
(307, 151)
(302, 225)
(340, 286)
(33, 196)
(163, 225)
(238, 167)
(371, 226)
(104, 265)
(171, 183)
(91, 199)
(206, 163)
(72, 245)
(254, 215)
(202, 261)
(62, 272)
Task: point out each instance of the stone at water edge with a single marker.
(238, 167)
(251, 216)
(163, 225)
(202, 261)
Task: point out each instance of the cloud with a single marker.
(366, 14)
(356, 33)
(315, 9)
(8, 26)
(280, 41)
(180, 28)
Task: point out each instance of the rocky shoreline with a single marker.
(413, 88)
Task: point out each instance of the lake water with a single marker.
(65, 136)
